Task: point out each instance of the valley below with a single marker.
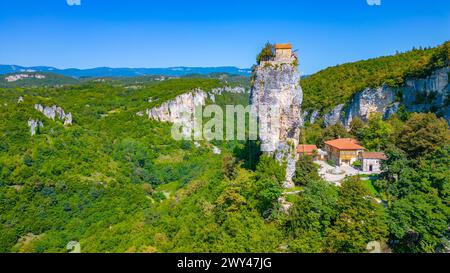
(90, 159)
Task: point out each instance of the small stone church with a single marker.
(283, 52)
(371, 161)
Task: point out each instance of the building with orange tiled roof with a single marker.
(307, 149)
(371, 161)
(311, 150)
(283, 52)
(343, 151)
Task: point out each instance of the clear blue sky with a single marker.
(137, 33)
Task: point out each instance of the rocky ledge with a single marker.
(54, 112)
(430, 94)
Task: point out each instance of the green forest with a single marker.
(335, 85)
(115, 181)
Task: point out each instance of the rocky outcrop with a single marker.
(17, 77)
(216, 150)
(310, 117)
(391, 110)
(286, 153)
(370, 101)
(277, 87)
(227, 89)
(179, 110)
(34, 126)
(430, 94)
(276, 97)
(314, 116)
(55, 112)
(334, 116)
(172, 110)
(285, 206)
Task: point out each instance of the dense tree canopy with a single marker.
(336, 85)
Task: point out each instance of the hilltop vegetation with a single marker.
(336, 85)
(124, 72)
(115, 181)
(35, 79)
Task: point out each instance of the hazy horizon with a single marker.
(134, 34)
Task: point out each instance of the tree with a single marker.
(356, 125)
(417, 221)
(306, 171)
(269, 167)
(250, 153)
(269, 176)
(266, 54)
(423, 134)
(360, 220)
(229, 165)
(357, 164)
(377, 134)
(312, 133)
(393, 168)
(311, 215)
(333, 132)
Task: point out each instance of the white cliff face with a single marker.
(286, 153)
(370, 101)
(417, 95)
(228, 89)
(429, 94)
(181, 108)
(334, 116)
(314, 116)
(276, 86)
(55, 112)
(17, 77)
(34, 126)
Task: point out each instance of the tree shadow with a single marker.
(249, 153)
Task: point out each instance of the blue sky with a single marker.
(137, 33)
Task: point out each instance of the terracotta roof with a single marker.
(374, 155)
(345, 144)
(306, 149)
(283, 46)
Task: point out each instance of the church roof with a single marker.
(283, 46)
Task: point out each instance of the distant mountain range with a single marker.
(125, 72)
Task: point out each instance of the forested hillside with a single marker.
(34, 79)
(116, 181)
(336, 85)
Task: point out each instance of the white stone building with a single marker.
(371, 161)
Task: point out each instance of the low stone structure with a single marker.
(371, 161)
